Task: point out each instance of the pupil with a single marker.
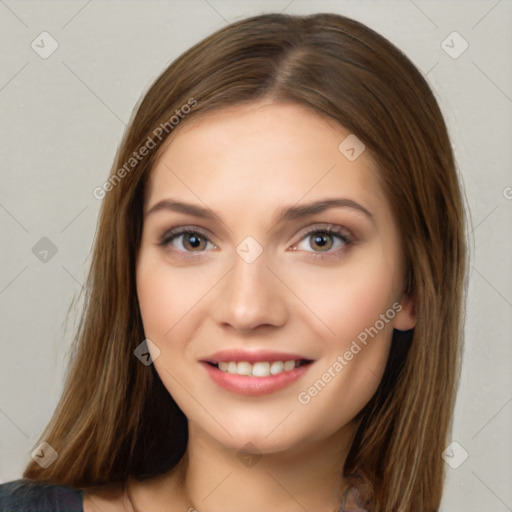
(194, 241)
(322, 240)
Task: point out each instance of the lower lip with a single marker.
(254, 386)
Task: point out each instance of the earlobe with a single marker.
(405, 318)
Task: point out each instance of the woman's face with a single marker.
(237, 276)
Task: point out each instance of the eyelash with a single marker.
(347, 241)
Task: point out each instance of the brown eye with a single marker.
(192, 241)
(186, 241)
(321, 240)
(325, 242)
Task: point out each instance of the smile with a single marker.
(257, 378)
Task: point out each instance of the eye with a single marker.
(186, 240)
(326, 240)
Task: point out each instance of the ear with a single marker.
(405, 317)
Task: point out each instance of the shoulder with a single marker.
(29, 496)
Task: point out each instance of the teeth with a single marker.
(289, 365)
(259, 369)
(276, 367)
(243, 368)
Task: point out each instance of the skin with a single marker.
(244, 163)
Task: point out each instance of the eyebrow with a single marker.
(283, 214)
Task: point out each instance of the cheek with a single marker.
(165, 300)
(342, 302)
(355, 305)
(157, 304)
(166, 295)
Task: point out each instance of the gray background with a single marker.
(63, 117)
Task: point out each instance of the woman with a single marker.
(274, 308)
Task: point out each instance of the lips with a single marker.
(255, 372)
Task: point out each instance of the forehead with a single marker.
(261, 154)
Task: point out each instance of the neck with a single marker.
(308, 477)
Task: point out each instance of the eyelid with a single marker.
(333, 229)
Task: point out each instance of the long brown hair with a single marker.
(116, 419)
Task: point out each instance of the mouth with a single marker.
(261, 375)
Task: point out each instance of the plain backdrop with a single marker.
(63, 115)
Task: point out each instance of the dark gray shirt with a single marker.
(28, 496)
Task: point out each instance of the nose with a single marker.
(250, 296)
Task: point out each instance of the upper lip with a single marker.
(253, 356)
